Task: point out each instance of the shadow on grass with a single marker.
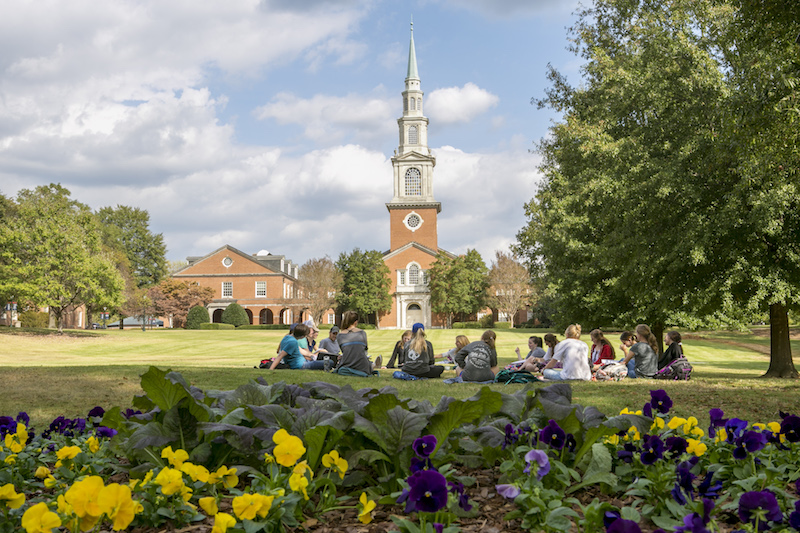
(44, 332)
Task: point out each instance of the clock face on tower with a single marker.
(413, 221)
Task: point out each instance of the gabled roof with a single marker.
(269, 262)
(418, 246)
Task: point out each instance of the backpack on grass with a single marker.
(677, 370)
(520, 376)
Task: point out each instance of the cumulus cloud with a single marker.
(511, 8)
(330, 120)
(454, 105)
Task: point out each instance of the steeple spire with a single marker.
(412, 58)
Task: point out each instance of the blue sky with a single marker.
(269, 125)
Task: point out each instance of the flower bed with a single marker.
(274, 457)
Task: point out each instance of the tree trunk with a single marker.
(658, 331)
(780, 350)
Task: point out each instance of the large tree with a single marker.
(458, 284)
(51, 254)
(319, 281)
(173, 299)
(365, 284)
(653, 209)
(129, 228)
(509, 285)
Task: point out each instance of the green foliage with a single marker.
(33, 319)
(458, 284)
(51, 254)
(217, 325)
(467, 325)
(235, 315)
(268, 326)
(671, 193)
(127, 228)
(198, 315)
(365, 283)
(502, 325)
(486, 321)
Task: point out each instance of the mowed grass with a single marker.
(50, 375)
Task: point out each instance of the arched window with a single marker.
(405, 104)
(413, 275)
(413, 104)
(413, 182)
(412, 135)
(419, 104)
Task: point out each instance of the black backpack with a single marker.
(520, 376)
(678, 370)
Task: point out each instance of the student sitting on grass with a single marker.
(418, 355)
(602, 351)
(644, 353)
(478, 359)
(535, 355)
(450, 355)
(289, 353)
(397, 354)
(353, 342)
(573, 354)
(674, 349)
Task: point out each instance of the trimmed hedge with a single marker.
(217, 325)
(235, 315)
(197, 317)
(502, 325)
(467, 325)
(33, 319)
(265, 326)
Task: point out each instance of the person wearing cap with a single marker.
(330, 345)
(418, 355)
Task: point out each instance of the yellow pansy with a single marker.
(696, 447)
(63, 505)
(225, 475)
(675, 422)
(11, 498)
(633, 434)
(94, 444)
(170, 481)
(186, 493)
(289, 448)
(50, 482)
(268, 459)
(298, 483)
(222, 521)
(332, 460)
(10, 459)
(658, 423)
(722, 435)
(246, 506)
(116, 503)
(196, 472)
(176, 458)
(302, 467)
(209, 505)
(697, 432)
(774, 427)
(365, 515)
(612, 439)
(39, 519)
(42, 472)
(68, 452)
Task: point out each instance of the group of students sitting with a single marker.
(572, 359)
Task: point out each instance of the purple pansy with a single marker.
(418, 464)
(676, 446)
(761, 506)
(507, 491)
(626, 453)
(695, 523)
(652, 449)
(553, 435)
(708, 488)
(511, 436)
(541, 459)
(427, 492)
(437, 527)
(748, 442)
(790, 428)
(735, 427)
(457, 488)
(424, 446)
(717, 421)
(621, 525)
(102, 431)
(23, 418)
(794, 516)
(660, 401)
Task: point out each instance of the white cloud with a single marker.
(330, 120)
(511, 8)
(454, 105)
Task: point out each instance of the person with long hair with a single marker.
(353, 342)
(573, 354)
(397, 354)
(450, 355)
(533, 361)
(602, 351)
(478, 360)
(674, 349)
(418, 355)
(644, 353)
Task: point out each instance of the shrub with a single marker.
(198, 315)
(235, 315)
(33, 319)
(467, 325)
(502, 325)
(217, 325)
(487, 321)
(264, 326)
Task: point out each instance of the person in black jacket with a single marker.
(674, 349)
(397, 354)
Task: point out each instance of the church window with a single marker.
(413, 182)
(419, 104)
(413, 275)
(405, 104)
(413, 104)
(412, 135)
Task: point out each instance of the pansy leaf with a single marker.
(150, 434)
(458, 413)
(180, 423)
(598, 471)
(368, 457)
(559, 518)
(240, 437)
(320, 440)
(492, 434)
(272, 415)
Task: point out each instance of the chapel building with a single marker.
(413, 213)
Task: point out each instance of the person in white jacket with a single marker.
(573, 354)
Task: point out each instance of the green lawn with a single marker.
(48, 375)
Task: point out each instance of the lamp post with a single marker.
(105, 317)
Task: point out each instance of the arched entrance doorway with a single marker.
(265, 316)
(413, 315)
(217, 316)
(249, 316)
